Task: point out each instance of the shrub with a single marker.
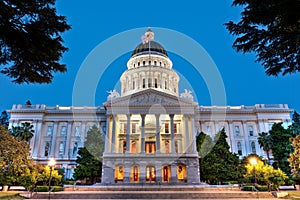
(248, 188)
(45, 188)
(262, 188)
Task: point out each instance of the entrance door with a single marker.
(165, 174)
(150, 147)
(150, 174)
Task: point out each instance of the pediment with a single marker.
(149, 97)
(150, 101)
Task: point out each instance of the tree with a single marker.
(294, 158)
(4, 119)
(43, 175)
(90, 156)
(281, 146)
(265, 142)
(265, 174)
(271, 29)
(219, 164)
(24, 132)
(15, 160)
(295, 127)
(30, 41)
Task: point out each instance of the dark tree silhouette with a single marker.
(30, 41)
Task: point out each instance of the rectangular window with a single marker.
(177, 146)
(63, 131)
(144, 83)
(49, 130)
(133, 128)
(133, 85)
(124, 146)
(239, 147)
(167, 146)
(133, 147)
(251, 130)
(75, 148)
(155, 83)
(61, 149)
(47, 148)
(175, 128)
(166, 127)
(77, 131)
(237, 130)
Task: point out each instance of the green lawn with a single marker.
(10, 195)
(294, 195)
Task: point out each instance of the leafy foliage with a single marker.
(4, 119)
(24, 132)
(271, 29)
(219, 165)
(265, 142)
(43, 175)
(30, 41)
(265, 174)
(90, 156)
(15, 162)
(281, 146)
(294, 158)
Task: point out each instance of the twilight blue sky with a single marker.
(94, 21)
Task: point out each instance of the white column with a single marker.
(246, 137)
(37, 140)
(143, 134)
(187, 135)
(53, 140)
(172, 133)
(157, 134)
(128, 134)
(68, 139)
(194, 146)
(113, 135)
(231, 132)
(107, 142)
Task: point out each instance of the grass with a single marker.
(10, 195)
(294, 195)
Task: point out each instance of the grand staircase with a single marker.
(138, 192)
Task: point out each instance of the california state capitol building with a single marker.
(149, 126)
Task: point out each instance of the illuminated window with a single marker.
(119, 174)
(135, 174)
(133, 147)
(166, 127)
(175, 128)
(133, 128)
(124, 146)
(181, 173)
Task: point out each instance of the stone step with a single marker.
(154, 195)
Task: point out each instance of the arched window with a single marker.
(253, 148)
(155, 63)
(239, 147)
(150, 174)
(119, 174)
(47, 148)
(181, 173)
(166, 174)
(135, 174)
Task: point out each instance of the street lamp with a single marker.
(253, 162)
(51, 164)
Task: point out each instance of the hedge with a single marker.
(251, 188)
(45, 188)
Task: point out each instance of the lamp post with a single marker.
(51, 164)
(253, 162)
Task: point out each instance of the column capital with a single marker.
(171, 115)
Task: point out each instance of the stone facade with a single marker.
(150, 129)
